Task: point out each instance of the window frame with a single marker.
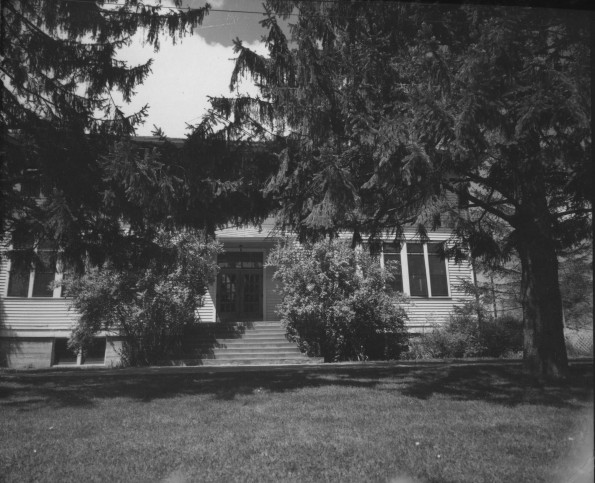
(62, 356)
(393, 254)
(405, 270)
(58, 275)
(429, 275)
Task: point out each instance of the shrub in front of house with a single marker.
(458, 338)
(337, 302)
(464, 336)
(501, 336)
(149, 302)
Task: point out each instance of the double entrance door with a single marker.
(240, 286)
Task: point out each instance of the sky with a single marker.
(197, 66)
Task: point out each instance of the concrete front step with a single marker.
(254, 343)
(246, 357)
(261, 348)
(269, 341)
(251, 344)
(255, 337)
(259, 355)
(263, 333)
(252, 325)
(279, 330)
(246, 361)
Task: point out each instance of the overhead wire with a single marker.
(223, 10)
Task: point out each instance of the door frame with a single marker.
(240, 271)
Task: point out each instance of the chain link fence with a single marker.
(579, 342)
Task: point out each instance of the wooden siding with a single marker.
(207, 312)
(3, 275)
(35, 314)
(409, 234)
(48, 316)
(32, 314)
(250, 232)
(425, 313)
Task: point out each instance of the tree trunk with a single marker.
(544, 351)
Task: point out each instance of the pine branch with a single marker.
(573, 212)
(490, 209)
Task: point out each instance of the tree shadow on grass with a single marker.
(500, 384)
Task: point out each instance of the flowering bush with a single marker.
(336, 302)
(149, 302)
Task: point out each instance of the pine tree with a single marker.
(388, 111)
(59, 69)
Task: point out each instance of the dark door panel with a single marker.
(240, 287)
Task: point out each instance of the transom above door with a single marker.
(240, 286)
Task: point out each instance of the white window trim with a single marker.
(58, 277)
(404, 268)
(427, 267)
(405, 271)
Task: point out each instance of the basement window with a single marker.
(63, 355)
(95, 352)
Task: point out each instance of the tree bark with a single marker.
(544, 351)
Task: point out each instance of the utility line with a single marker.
(258, 12)
(223, 10)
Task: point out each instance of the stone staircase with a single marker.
(240, 343)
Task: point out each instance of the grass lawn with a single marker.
(421, 423)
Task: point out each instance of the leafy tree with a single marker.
(150, 302)
(59, 68)
(203, 183)
(337, 303)
(389, 112)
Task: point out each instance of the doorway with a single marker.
(240, 286)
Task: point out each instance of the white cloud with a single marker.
(183, 76)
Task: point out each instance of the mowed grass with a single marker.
(427, 423)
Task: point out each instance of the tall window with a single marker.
(437, 268)
(420, 270)
(392, 262)
(18, 281)
(20, 266)
(32, 270)
(45, 270)
(418, 285)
